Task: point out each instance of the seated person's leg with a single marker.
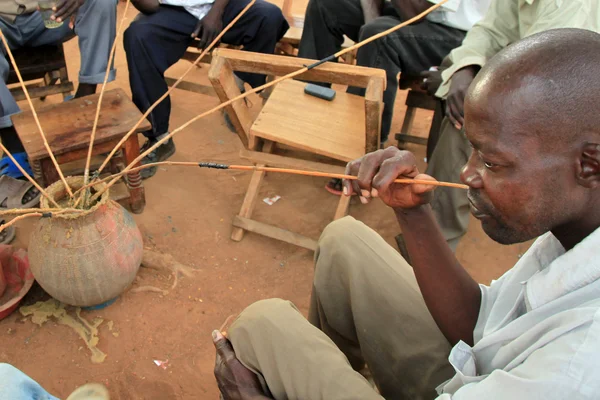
(154, 42)
(367, 301)
(292, 358)
(8, 107)
(409, 50)
(14, 384)
(258, 30)
(451, 207)
(95, 25)
(325, 24)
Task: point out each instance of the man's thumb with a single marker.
(221, 343)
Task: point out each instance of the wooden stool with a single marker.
(68, 127)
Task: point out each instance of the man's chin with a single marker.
(502, 234)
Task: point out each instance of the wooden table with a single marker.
(68, 127)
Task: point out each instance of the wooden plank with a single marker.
(222, 78)
(343, 74)
(275, 233)
(407, 123)
(342, 208)
(373, 112)
(36, 91)
(192, 87)
(402, 138)
(192, 56)
(275, 160)
(68, 125)
(251, 196)
(334, 129)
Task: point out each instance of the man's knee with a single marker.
(371, 29)
(327, 6)
(271, 15)
(332, 256)
(136, 34)
(261, 316)
(339, 233)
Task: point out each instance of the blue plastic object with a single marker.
(7, 167)
(100, 306)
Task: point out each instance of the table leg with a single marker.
(137, 195)
(49, 172)
(38, 175)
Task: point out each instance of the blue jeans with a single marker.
(15, 385)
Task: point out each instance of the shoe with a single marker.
(161, 153)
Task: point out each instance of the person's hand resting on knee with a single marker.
(376, 173)
(235, 381)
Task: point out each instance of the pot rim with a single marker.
(57, 191)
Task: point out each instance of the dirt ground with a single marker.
(188, 215)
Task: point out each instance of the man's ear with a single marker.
(588, 173)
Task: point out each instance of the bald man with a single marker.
(505, 22)
(533, 334)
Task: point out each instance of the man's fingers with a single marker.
(197, 30)
(421, 188)
(205, 37)
(452, 115)
(401, 165)
(223, 346)
(62, 9)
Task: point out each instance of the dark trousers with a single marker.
(409, 50)
(156, 41)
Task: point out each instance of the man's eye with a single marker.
(489, 164)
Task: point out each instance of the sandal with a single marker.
(7, 235)
(334, 186)
(15, 193)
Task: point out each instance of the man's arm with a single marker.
(451, 295)
(209, 27)
(498, 28)
(371, 9)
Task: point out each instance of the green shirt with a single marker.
(508, 21)
(9, 9)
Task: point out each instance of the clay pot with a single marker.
(87, 259)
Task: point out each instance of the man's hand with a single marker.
(376, 173)
(66, 8)
(235, 381)
(209, 27)
(432, 80)
(146, 6)
(455, 101)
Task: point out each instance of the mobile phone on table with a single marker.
(319, 91)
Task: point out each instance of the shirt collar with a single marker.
(560, 272)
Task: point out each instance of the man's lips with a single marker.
(477, 213)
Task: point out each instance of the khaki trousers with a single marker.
(450, 206)
(366, 308)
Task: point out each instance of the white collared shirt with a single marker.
(198, 8)
(538, 331)
(460, 14)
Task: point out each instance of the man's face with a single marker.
(520, 187)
